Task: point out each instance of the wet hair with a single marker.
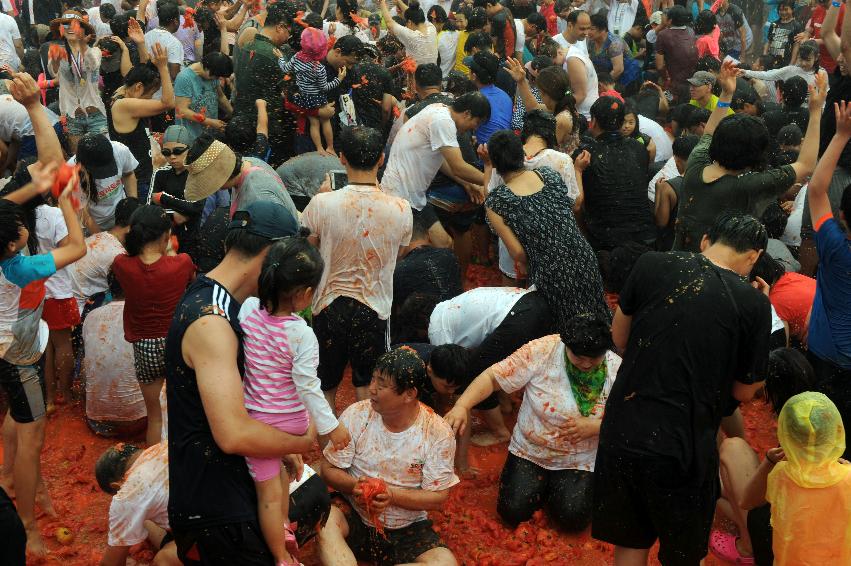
(542, 124)
(600, 22)
(405, 368)
(144, 73)
(12, 221)
(630, 108)
(587, 335)
(124, 210)
(789, 373)
(562, 5)
(218, 64)
(794, 91)
(419, 228)
(245, 243)
(537, 20)
(742, 232)
(608, 113)
(774, 220)
(412, 319)
(739, 142)
(554, 82)
(452, 363)
(106, 12)
(680, 114)
(475, 103)
(503, 34)
(616, 265)
(506, 152)
(283, 13)
(684, 145)
(768, 268)
(476, 19)
(20, 178)
(478, 40)
(809, 49)
(697, 117)
(457, 84)
(348, 45)
(414, 13)
(148, 223)
(437, 15)
(112, 465)
(679, 15)
(168, 13)
(790, 134)
(605, 78)
(708, 63)
(786, 4)
(241, 133)
(362, 147)
(574, 16)
(292, 264)
(706, 22)
(118, 25)
(845, 204)
(428, 75)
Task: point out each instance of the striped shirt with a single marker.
(311, 79)
(281, 358)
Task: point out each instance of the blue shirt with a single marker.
(830, 323)
(501, 108)
(202, 93)
(24, 269)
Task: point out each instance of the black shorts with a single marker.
(428, 215)
(24, 386)
(458, 222)
(348, 331)
(224, 545)
(639, 501)
(397, 546)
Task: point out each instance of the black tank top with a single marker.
(206, 486)
(139, 143)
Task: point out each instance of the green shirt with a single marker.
(258, 75)
(713, 102)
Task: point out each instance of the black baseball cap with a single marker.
(266, 219)
(94, 152)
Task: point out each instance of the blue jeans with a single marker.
(92, 124)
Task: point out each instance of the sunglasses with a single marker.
(175, 151)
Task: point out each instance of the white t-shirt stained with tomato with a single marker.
(144, 496)
(415, 156)
(421, 457)
(548, 401)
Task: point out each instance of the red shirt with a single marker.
(792, 297)
(549, 12)
(819, 12)
(151, 292)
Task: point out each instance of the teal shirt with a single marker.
(202, 93)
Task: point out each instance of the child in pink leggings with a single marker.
(281, 385)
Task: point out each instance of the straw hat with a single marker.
(69, 16)
(210, 171)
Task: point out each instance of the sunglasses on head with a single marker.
(175, 151)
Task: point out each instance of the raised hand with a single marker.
(159, 56)
(134, 31)
(25, 90)
(516, 69)
(843, 118)
(818, 92)
(727, 77)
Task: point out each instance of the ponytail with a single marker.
(147, 224)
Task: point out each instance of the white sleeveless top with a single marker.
(580, 51)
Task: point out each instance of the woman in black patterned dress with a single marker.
(532, 213)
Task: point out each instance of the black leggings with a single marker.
(524, 487)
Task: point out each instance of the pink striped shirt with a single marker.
(281, 359)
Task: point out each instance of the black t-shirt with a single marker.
(695, 329)
(839, 91)
(428, 270)
(206, 486)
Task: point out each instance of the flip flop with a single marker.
(723, 545)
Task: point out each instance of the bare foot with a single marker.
(43, 501)
(330, 151)
(487, 439)
(35, 544)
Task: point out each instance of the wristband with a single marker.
(722, 104)
(836, 4)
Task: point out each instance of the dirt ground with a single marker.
(468, 523)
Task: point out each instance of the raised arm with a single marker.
(817, 193)
(210, 348)
(829, 39)
(806, 161)
(518, 73)
(727, 80)
(144, 108)
(24, 89)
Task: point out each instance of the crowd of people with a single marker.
(210, 209)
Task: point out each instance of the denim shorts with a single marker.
(91, 124)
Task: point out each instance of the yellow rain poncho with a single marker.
(810, 492)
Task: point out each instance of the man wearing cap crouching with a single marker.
(212, 507)
(700, 91)
(213, 165)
